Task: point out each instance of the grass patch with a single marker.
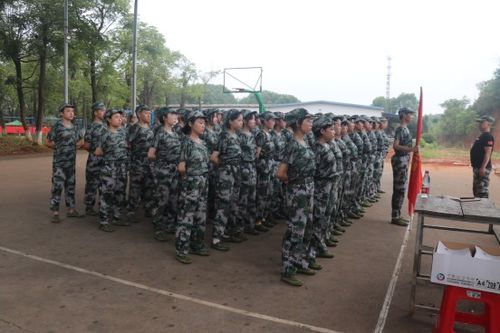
(17, 145)
(450, 153)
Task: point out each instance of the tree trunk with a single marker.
(93, 79)
(20, 97)
(41, 85)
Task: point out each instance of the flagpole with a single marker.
(134, 59)
(66, 37)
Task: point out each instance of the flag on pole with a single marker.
(415, 184)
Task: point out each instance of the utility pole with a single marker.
(66, 41)
(388, 85)
(134, 60)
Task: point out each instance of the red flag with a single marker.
(415, 185)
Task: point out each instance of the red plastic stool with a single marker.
(489, 319)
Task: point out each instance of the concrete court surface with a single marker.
(72, 277)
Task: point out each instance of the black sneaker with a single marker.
(200, 252)
(220, 247)
(183, 259)
(315, 266)
(160, 236)
(305, 271)
(291, 280)
(55, 219)
(261, 228)
(106, 227)
(399, 222)
(324, 254)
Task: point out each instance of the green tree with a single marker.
(457, 124)
(488, 101)
(270, 97)
(403, 100)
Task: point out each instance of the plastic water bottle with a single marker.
(426, 184)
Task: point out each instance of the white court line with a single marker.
(384, 312)
(171, 294)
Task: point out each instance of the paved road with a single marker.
(72, 277)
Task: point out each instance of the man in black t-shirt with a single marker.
(480, 157)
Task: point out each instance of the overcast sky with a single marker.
(337, 50)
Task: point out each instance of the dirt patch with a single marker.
(15, 145)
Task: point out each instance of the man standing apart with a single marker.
(403, 146)
(65, 139)
(480, 157)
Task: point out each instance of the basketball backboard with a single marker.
(242, 80)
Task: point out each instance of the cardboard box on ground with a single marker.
(467, 266)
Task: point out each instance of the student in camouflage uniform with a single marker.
(324, 180)
(141, 170)
(480, 157)
(165, 152)
(193, 168)
(340, 220)
(403, 146)
(349, 197)
(247, 205)
(356, 209)
(375, 153)
(114, 149)
(65, 138)
(94, 163)
(211, 138)
(277, 204)
(349, 165)
(385, 150)
(265, 168)
(297, 172)
(228, 158)
(366, 160)
(334, 229)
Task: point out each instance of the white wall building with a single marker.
(313, 107)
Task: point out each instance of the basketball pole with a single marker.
(134, 60)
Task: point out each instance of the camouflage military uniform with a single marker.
(168, 149)
(480, 183)
(366, 161)
(277, 203)
(299, 203)
(385, 150)
(348, 198)
(113, 174)
(228, 184)
(247, 202)
(400, 162)
(141, 170)
(345, 180)
(191, 223)
(211, 138)
(63, 164)
(357, 171)
(336, 184)
(325, 178)
(94, 163)
(265, 167)
(374, 164)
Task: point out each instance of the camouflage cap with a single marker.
(375, 120)
(489, 119)
(322, 122)
(64, 106)
(405, 110)
(267, 115)
(383, 119)
(210, 112)
(279, 115)
(184, 113)
(98, 106)
(195, 115)
(111, 112)
(297, 115)
(163, 111)
(337, 118)
(247, 113)
(142, 107)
